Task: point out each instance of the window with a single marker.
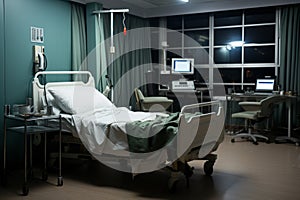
(196, 38)
(239, 45)
(200, 55)
(174, 22)
(225, 56)
(227, 35)
(260, 15)
(260, 34)
(228, 18)
(260, 54)
(196, 21)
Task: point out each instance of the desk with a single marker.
(288, 138)
(237, 97)
(254, 97)
(185, 97)
(28, 128)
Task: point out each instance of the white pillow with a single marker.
(79, 99)
(51, 102)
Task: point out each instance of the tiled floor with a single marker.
(243, 171)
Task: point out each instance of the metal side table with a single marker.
(31, 125)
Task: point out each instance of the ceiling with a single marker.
(155, 8)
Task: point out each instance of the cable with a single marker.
(45, 94)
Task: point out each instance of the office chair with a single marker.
(152, 104)
(256, 112)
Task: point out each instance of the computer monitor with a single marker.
(182, 66)
(266, 84)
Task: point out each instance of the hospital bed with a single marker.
(107, 131)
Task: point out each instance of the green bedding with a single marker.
(148, 136)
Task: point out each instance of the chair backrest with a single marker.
(139, 97)
(268, 103)
(138, 94)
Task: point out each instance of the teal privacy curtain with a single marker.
(101, 49)
(289, 76)
(78, 37)
(132, 57)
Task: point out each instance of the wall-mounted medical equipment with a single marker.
(39, 58)
(182, 66)
(183, 85)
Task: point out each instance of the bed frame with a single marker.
(39, 89)
(199, 144)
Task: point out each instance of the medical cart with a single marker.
(30, 125)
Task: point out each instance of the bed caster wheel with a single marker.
(3, 179)
(268, 142)
(208, 168)
(173, 181)
(30, 174)
(44, 175)
(255, 142)
(60, 181)
(232, 140)
(25, 189)
(172, 185)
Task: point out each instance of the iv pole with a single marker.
(112, 47)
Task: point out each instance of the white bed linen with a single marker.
(103, 132)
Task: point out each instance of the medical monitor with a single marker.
(182, 66)
(265, 84)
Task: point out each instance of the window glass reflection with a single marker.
(196, 21)
(229, 75)
(225, 56)
(174, 39)
(261, 15)
(196, 38)
(201, 75)
(225, 36)
(174, 22)
(251, 74)
(260, 54)
(228, 18)
(201, 56)
(260, 34)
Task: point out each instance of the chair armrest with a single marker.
(250, 106)
(156, 100)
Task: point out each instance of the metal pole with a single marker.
(112, 50)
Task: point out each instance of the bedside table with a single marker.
(30, 125)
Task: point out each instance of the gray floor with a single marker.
(243, 171)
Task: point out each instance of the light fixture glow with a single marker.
(233, 44)
(236, 43)
(185, 1)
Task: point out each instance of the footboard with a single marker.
(203, 131)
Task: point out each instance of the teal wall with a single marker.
(52, 15)
(1, 74)
(16, 52)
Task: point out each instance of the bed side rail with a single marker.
(199, 130)
(199, 106)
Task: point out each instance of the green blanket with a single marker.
(152, 135)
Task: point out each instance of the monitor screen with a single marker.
(182, 65)
(265, 84)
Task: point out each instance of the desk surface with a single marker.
(185, 90)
